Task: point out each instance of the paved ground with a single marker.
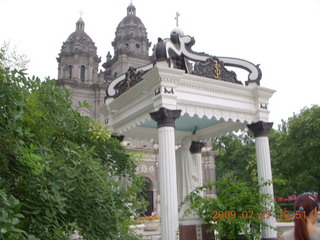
(145, 235)
(149, 235)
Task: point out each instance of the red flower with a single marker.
(150, 218)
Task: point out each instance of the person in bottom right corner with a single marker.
(306, 215)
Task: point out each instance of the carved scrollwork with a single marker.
(214, 68)
(132, 77)
(125, 81)
(178, 50)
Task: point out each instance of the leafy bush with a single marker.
(11, 218)
(286, 206)
(237, 210)
(59, 171)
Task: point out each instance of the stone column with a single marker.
(261, 131)
(165, 119)
(209, 169)
(195, 150)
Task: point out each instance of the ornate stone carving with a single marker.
(85, 112)
(196, 146)
(126, 81)
(144, 168)
(132, 77)
(178, 50)
(165, 117)
(214, 68)
(260, 129)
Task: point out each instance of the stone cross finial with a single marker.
(177, 19)
(81, 12)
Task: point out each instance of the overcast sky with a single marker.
(283, 36)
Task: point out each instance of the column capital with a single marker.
(165, 117)
(196, 147)
(260, 129)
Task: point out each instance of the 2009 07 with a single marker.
(244, 214)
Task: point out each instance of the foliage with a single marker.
(10, 219)
(296, 152)
(286, 206)
(236, 155)
(59, 171)
(237, 209)
(278, 149)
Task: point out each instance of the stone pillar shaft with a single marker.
(165, 119)
(261, 132)
(264, 175)
(209, 168)
(168, 183)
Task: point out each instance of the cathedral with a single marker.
(78, 70)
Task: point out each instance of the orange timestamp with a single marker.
(243, 214)
(285, 215)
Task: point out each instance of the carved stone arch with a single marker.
(85, 112)
(150, 193)
(152, 180)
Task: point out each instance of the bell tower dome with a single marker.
(78, 59)
(131, 45)
(78, 66)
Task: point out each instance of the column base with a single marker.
(194, 232)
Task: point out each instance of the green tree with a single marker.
(280, 170)
(59, 171)
(236, 157)
(297, 151)
(294, 150)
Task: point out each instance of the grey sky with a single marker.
(283, 36)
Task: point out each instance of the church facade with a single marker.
(78, 70)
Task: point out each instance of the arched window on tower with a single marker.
(82, 73)
(70, 71)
